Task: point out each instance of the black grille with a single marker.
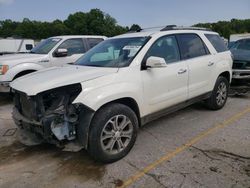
(241, 65)
(237, 65)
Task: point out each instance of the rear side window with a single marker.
(94, 41)
(217, 42)
(191, 46)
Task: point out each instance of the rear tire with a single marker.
(113, 133)
(219, 94)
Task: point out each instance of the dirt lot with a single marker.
(193, 147)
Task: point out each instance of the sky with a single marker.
(146, 13)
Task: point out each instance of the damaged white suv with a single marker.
(121, 84)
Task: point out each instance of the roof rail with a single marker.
(169, 28)
(174, 27)
(146, 29)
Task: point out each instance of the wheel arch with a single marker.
(127, 101)
(22, 73)
(87, 115)
(226, 74)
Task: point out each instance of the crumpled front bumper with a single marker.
(241, 74)
(240, 81)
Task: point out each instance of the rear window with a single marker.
(217, 42)
(191, 46)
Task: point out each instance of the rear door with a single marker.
(199, 61)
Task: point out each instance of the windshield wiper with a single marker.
(93, 65)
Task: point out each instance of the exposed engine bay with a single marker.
(50, 115)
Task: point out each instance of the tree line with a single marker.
(226, 28)
(96, 22)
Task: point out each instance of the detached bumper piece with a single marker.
(50, 116)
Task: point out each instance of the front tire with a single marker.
(219, 94)
(113, 133)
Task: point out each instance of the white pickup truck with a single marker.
(54, 51)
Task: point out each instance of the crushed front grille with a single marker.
(25, 105)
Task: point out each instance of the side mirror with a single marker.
(156, 62)
(61, 52)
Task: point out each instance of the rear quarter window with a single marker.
(217, 42)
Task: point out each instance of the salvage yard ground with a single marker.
(193, 147)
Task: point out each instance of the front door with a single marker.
(75, 49)
(165, 87)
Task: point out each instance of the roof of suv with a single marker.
(79, 36)
(174, 30)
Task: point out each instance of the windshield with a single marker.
(45, 46)
(241, 45)
(113, 53)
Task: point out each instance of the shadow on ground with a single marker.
(79, 164)
(5, 98)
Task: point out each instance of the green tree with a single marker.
(135, 27)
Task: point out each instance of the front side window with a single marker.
(45, 46)
(113, 52)
(74, 46)
(217, 42)
(166, 47)
(191, 46)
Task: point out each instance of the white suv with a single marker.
(54, 51)
(120, 85)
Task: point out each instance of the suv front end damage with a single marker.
(50, 116)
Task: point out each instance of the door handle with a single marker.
(210, 64)
(182, 71)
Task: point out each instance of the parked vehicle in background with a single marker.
(12, 45)
(120, 85)
(54, 51)
(241, 66)
(236, 37)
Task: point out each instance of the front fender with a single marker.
(12, 72)
(98, 97)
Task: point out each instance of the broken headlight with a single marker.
(58, 113)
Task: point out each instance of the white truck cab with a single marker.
(121, 84)
(54, 51)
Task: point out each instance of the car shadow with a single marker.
(77, 164)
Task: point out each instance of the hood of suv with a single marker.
(14, 59)
(55, 77)
(241, 59)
